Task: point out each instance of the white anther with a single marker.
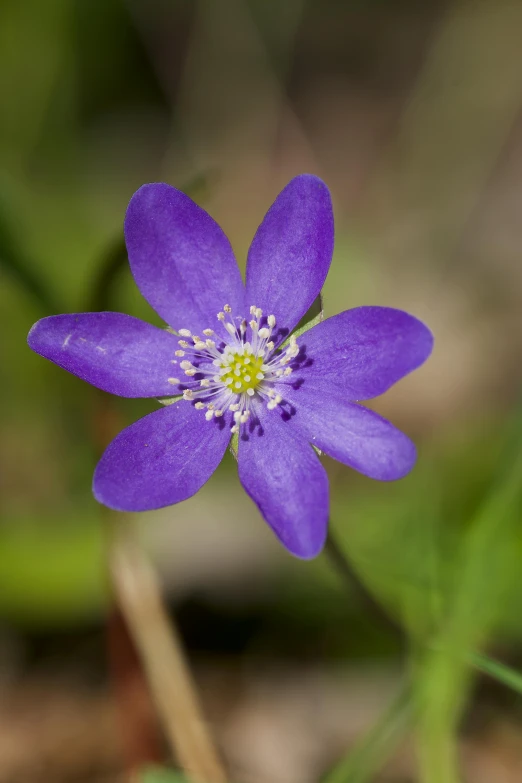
(246, 378)
(237, 372)
(254, 326)
(191, 372)
(208, 332)
(231, 329)
(234, 406)
(218, 413)
(271, 321)
(186, 365)
(173, 381)
(234, 429)
(199, 405)
(188, 394)
(278, 398)
(229, 381)
(237, 416)
(184, 343)
(196, 339)
(238, 384)
(250, 392)
(221, 316)
(271, 405)
(216, 378)
(204, 382)
(288, 371)
(185, 332)
(243, 326)
(179, 353)
(260, 376)
(210, 343)
(258, 313)
(201, 346)
(270, 345)
(244, 417)
(252, 309)
(264, 333)
(209, 415)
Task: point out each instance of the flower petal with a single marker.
(364, 351)
(115, 352)
(161, 459)
(354, 435)
(181, 259)
(291, 252)
(286, 480)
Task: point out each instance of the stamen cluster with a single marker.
(232, 373)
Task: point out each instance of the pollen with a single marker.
(241, 370)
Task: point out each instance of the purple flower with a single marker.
(229, 359)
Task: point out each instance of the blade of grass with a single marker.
(444, 675)
(376, 747)
(499, 671)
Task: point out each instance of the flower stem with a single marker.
(138, 595)
(357, 588)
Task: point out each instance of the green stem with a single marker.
(355, 585)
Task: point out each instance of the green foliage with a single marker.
(161, 775)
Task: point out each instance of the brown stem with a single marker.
(142, 744)
(139, 597)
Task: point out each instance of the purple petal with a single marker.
(284, 477)
(181, 259)
(364, 351)
(350, 433)
(161, 459)
(115, 352)
(291, 252)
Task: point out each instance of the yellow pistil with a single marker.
(243, 372)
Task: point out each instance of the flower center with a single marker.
(241, 371)
(227, 374)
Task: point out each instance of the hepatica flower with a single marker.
(229, 357)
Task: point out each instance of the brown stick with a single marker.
(139, 598)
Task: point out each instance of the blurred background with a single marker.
(411, 111)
